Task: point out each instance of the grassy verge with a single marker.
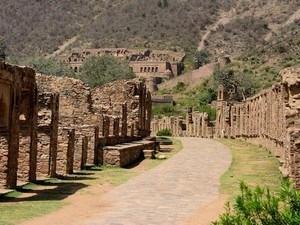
(177, 146)
(34, 200)
(252, 164)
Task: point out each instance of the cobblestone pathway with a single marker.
(172, 191)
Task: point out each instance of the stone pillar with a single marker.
(33, 134)
(124, 120)
(132, 133)
(106, 126)
(85, 142)
(70, 151)
(54, 134)
(13, 153)
(116, 127)
(96, 152)
(148, 113)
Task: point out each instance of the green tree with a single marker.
(97, 71)
(239, 86)
(162, 3)
(202, 58)
(48, 66)
(2, 49)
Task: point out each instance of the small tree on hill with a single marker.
(97, 71)
(239, 86)
(202, 58)
(2, 49)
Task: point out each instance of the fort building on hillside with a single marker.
(143, 62)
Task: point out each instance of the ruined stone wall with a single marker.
(48, 126)
(18, 124)
(270, 118)
(195, 124)
(48, 108)
(110, 98)
(76, 113)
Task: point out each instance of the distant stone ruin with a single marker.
(57, 125)
(143, 62)
(195, 124)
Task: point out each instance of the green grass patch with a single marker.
(252, 164)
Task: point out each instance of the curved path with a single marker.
(171, 192)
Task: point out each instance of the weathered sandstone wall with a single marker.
(270, 118)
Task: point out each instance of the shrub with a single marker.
(101, 70)
(164, 132)
(159, 110)
(259, 206)
(2, 49)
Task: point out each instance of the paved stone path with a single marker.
(172, 191)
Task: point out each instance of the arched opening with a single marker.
(141, 70)
(75, 69)
(145, 69)
(156, 69)
(152, 69)
(148, 69)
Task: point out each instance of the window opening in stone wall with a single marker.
(152, 69)
(156, 69)
(141, 70)
(75, 69)
(145, 69)
(148, 69)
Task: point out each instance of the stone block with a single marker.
(149, 154)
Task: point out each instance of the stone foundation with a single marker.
(123, 155)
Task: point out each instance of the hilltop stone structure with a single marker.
(53, 125)
(143, 62)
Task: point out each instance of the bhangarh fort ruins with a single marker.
(56, 125)
(151, 65)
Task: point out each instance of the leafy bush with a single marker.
(160, 110)
(212, 113)
(259, 206)
(180, 87)
(164, 132)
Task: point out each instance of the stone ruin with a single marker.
(149, 64)
(195, 124)
(270, 118)
(57, 125)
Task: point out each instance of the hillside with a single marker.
(31, 27)
(225, 27)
